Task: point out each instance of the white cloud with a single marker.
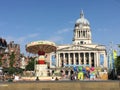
(33, 35)
(21, 40)
(56, 39)
(64, 30)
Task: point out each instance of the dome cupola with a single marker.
(82, 31)
(82, 20)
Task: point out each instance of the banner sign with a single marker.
(114, 54)
(53, 60)
(101, 59)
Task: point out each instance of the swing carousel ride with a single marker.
(40, 48)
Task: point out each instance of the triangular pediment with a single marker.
(76, 47)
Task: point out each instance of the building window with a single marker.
(92, 60)
(83, 33)
(82, 58)
(81, 42)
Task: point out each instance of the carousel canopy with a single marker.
(40, 46)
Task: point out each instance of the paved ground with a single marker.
(62, 85)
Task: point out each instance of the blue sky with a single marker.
(24, 21)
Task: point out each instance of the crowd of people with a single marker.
(87, 73)
(79, 73)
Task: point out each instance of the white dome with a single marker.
(82, 20)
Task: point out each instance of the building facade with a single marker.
(82, 52)
(15, 48)
(10, 49)
(3, 45)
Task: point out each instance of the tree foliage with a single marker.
(12, 70)
(1, 55)
(30, 65)
(12, 59)
(0, 60)
(117, 62)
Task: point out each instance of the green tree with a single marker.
(12, 59)
(117, 63)
(1, 55)
(11, 70)
(30, 65)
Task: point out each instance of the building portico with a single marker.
(91, 58)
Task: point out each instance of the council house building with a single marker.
(82, 51)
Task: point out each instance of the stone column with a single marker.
(90, 59)
(59, 59)
(105, 61)
(97, 62)
(64, 62)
